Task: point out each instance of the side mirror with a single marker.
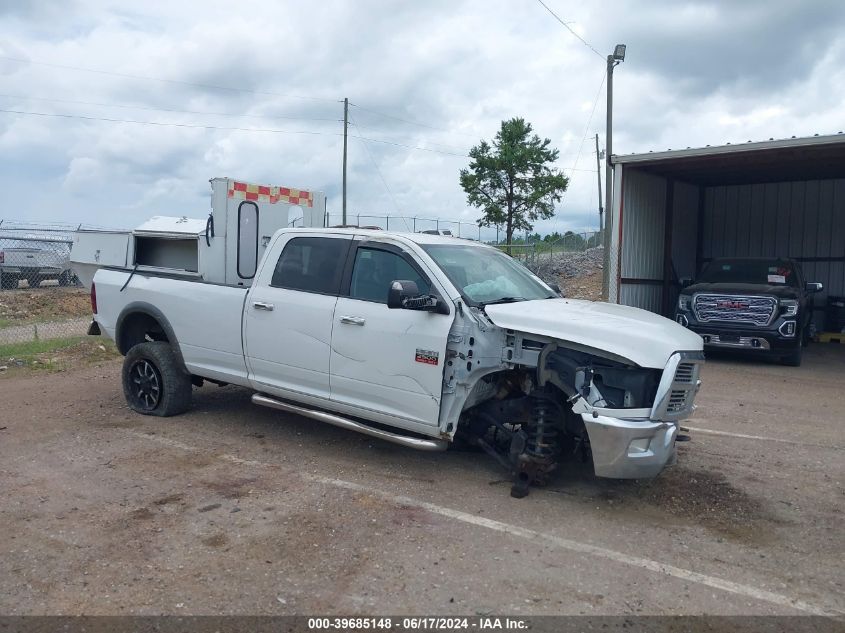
(400, 291)
(813, 286)
(556, 288)
(686, 282)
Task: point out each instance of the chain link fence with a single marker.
(42, 299)
(40, 296)
(416, 224)
(544, 254)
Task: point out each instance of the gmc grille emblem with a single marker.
(736, 305)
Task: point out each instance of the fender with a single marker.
(142, 307)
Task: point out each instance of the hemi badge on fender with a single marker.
(426, 356)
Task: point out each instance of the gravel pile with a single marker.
(569, 265)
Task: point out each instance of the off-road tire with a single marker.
(33, 282)
(8, 282)
(153, 381)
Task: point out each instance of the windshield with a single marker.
(750, 271)
(486, 275)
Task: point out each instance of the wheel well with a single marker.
(137, 328)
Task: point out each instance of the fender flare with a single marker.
(142, 307)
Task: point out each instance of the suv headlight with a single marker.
(683, 302)
(788, 307)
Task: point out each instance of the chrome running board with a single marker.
(346, 423)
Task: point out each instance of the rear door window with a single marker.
(311, 264)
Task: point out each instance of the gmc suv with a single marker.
(757, 304)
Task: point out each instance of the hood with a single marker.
(643, 337)
(779, 291)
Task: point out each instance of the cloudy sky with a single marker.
(253, 90)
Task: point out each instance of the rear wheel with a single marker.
(34, 282)
(9, 282)
(153, 381)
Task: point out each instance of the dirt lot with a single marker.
(235, 509)
(18, 307)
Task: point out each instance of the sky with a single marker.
(253, 90)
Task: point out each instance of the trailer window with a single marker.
(311, 264)
(247, 239)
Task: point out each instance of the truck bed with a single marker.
(205, 317)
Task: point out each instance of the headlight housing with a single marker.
(684, 302)
(788, 307)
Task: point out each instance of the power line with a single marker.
(422, 149)
(136, 107)
(219, 127)
(147, 108)
(381, 176)
(168, 124)
(169, 81)
(453, 147)
(569, 28)
(410, 122)
(589, 121)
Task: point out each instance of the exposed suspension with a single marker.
(542, 446)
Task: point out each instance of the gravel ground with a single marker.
(235, 509)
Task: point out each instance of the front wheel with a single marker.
(153, 382)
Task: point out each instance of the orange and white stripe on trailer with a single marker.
(270, 194)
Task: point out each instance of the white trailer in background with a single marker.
(224, 248)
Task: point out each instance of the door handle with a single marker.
(260, 305)
(353, 320)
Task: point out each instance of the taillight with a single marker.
(93, 298)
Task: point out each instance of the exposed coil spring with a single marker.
(542, 433)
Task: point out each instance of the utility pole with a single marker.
(598, 177)
(613, 60)
(345, 130)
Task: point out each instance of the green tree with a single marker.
(512, 180)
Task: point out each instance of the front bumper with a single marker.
(630, 449)
(639, 443)
(769, 340)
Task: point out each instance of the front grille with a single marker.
(685, 373)
(734, 309)
(678, 400)
(677, 390)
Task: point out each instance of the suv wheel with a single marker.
(153, 382)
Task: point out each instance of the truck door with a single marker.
(288, 316)
(383, 360)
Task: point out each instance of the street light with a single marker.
(619, 52)
(613, 60)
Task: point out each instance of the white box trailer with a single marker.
(224, 248)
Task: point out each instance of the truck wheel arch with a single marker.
(140, 320)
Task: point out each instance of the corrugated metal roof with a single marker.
(810, 158)
(715, 150)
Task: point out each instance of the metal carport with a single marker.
(673, 211)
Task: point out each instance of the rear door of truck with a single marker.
(288, 315)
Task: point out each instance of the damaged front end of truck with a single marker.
(531, 400)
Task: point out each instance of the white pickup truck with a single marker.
(35, 261)
(417, 339)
